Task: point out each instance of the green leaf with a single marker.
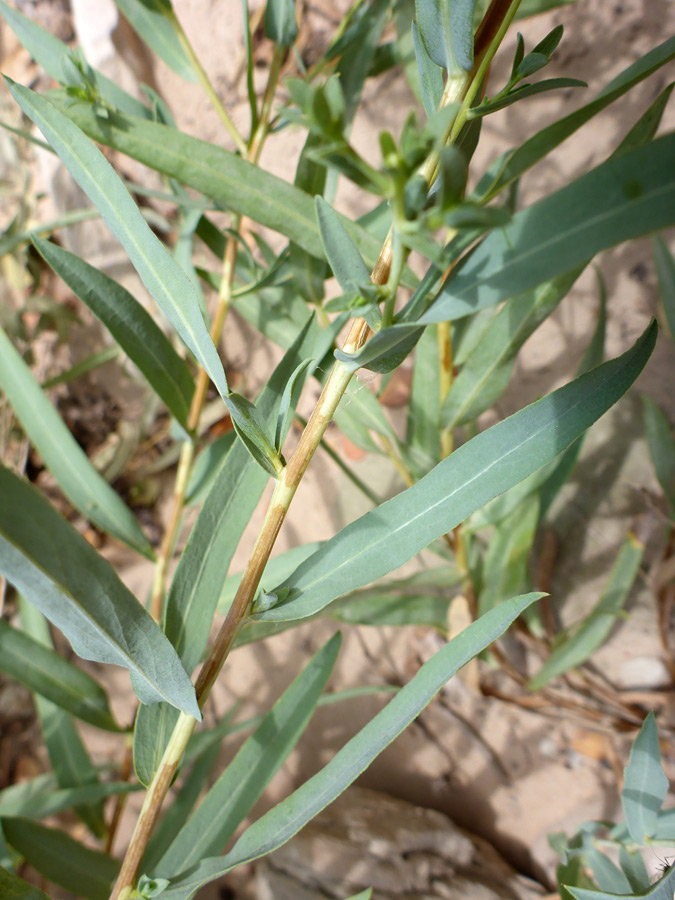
(63, 456)
(486, 466)
(377, 608)
(514, 163)
(14, 888)
(288, 817)
(645, 785)
(39, 805)
(49, 52)
(230, 181)
(661, 443)
(633, 867)
(202, 568)
(281, 25)
(341, 252)
(505, 568)
(277, 568)
(206, 468)
(665, 270)
(356, 57)
(608, 875)
(430, 75)
(63, 860)
(595, 628)
(154, 22)
(130, 325)
(446, 28)
(232, 796)
(48, 674)
(159, 271)
(385, 350)
(66, 579)
(68, 755)
(487, 371)
(423, 425)
(251, 427)
(520, 93)
(289, 401)
(647, 125)
(627, 196)
(181, 806)
(662, 890)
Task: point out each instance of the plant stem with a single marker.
(284, 492)
(260, 133)
(205, 83)
(353, 477)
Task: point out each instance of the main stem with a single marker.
(289, 479)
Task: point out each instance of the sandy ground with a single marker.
(509, 774)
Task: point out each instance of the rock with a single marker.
(404, 852)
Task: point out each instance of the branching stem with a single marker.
(284, 492)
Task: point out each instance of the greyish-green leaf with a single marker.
(75, 588)
(625, 197)
(645, 784)
(86, 489)
(159, 271)
(484, 467)
(153, 20)
(131, 326)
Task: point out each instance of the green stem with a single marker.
(206, 84)
(284, 492)
(258, 137)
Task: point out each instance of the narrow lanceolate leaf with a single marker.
(14, 888)
(159, 271)
(289, 401)
(513, 164)
(446, 30)
(49, 52)
(243, 781)
(596, 627)
(341, 252)
(281, 25)
(180, 808)
(198, 580)
(63, 456)
(661, 442)
(645, 784)
(288, 817)
(662, 890)
(627, 196)
(152, 19)
(232, 182)
(430, 75)
(252, 429)
(665, 269)
(68, 756)
(486, 372)
(60, 858)
(132, 327)
(423, 425)
(486, 466)
(74, 587)
(48, 803)
(48, 674)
